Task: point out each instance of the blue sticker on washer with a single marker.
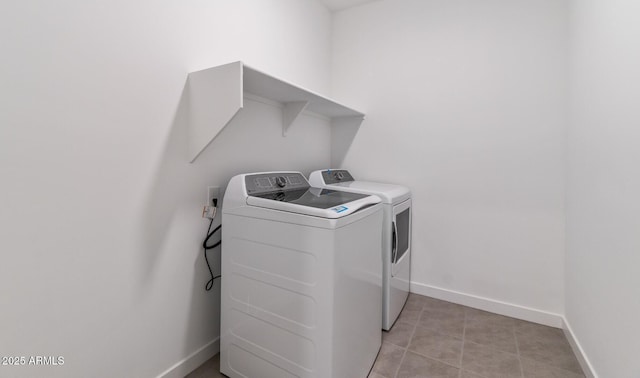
(340, 209)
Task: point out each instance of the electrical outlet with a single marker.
(213, 192)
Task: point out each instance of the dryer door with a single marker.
(401, 240)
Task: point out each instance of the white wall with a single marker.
(603, 202)
(100, 226)
(465, 104)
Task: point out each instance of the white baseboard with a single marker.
(587, 368)
(491, 305)
(192, 361)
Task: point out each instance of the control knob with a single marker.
(281, 181)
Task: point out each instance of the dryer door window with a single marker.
(401, 235)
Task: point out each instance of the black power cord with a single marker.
(206, 247)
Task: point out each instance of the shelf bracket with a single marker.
(215, 97)
(290, 114)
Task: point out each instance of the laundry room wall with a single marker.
(603, 206)
(100, 226)
(466, 105)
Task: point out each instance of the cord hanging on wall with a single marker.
(206, 246)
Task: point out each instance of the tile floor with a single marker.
(434, 338)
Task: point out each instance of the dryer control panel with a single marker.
(331, 176)
(261, 183)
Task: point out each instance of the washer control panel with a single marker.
(261, 183)
(331, 176)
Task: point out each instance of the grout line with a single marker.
(514, 354)
(409, 342)
(464, 331)
(400, 364)
(404, 353)
(515, 336)
(434, 359)
(395, 375)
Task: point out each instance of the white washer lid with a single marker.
(319, 202)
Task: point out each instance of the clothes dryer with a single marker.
(301, 279)
(396, 235)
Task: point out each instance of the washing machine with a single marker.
(396, 235)
(301, 279)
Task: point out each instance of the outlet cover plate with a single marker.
(213, 192)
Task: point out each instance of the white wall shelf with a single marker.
(216, 95)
